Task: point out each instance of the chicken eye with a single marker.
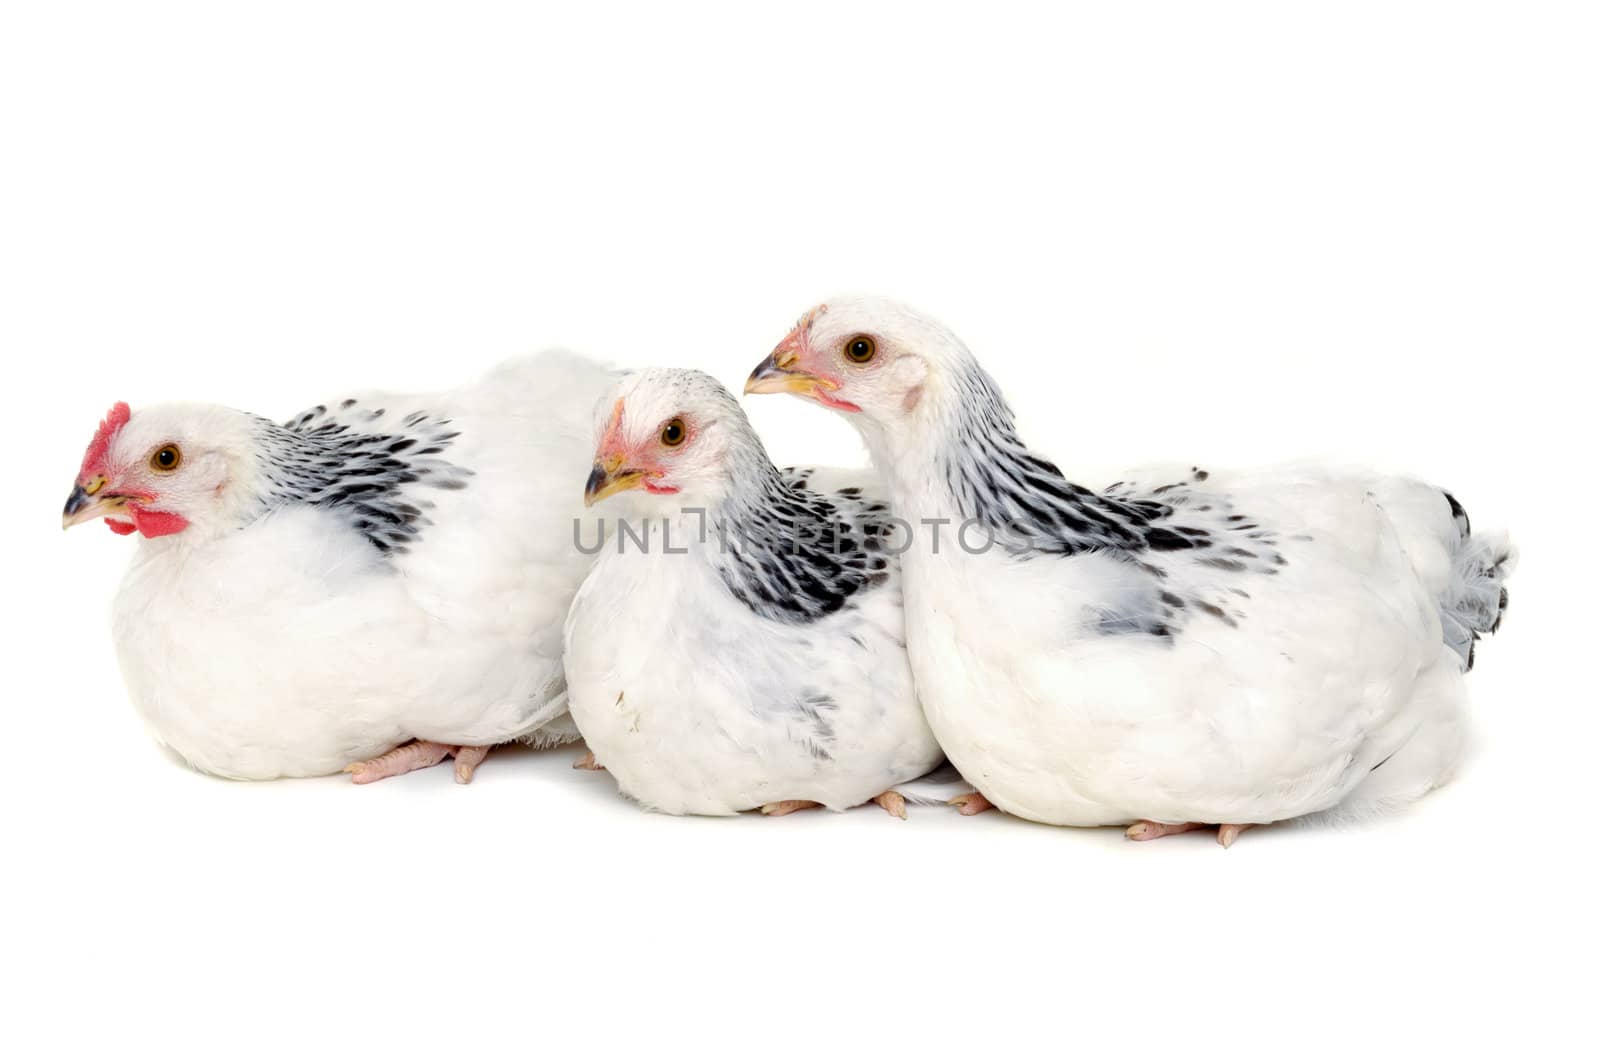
(166, 458)
(861, 349)
(674, 432)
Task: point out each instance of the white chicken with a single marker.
(739, 643)
(376, 585)
(1197, 648)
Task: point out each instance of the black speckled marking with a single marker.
(1479, 606)
(375, 479)
(797, 556)
(1032, 510)
(816, 711)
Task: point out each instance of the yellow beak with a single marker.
(87, 503)
(778, 375)
(609, 478)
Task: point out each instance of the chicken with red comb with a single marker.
(373, 586)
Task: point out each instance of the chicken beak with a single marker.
(86, 503)
(609, 478)
(781, 375)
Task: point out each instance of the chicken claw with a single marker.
(1149, 831)
(891, 803)
(973, 804)
(787, 808)
(414, 757)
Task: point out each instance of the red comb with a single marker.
(94, 459)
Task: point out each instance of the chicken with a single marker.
(375, 585)
(1191, 648)
(739, 644)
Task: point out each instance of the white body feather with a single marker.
(1195, 647)
(699, 706)
(292, 648)
(1338, 667)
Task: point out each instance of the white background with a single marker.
(1230, 233)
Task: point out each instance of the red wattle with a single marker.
(153, 524)
(120, 527)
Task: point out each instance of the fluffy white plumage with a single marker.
(1190, 647)
(716, 681)
(384, 568)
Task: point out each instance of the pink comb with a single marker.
(611, 441)
(94, 459)
(797, 339)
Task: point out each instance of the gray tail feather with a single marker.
(1475, 603)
